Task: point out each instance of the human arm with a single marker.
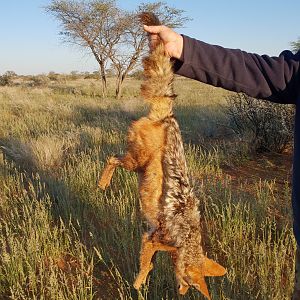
(272, 78)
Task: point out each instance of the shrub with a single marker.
(138, 74)
(40, 81)
(74, 75)
(53, 76)
(5, 80)
(267, 126)
(66, 90)
(94, 75)
(10, 74)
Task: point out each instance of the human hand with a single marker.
(172, 40)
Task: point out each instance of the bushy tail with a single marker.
(149, 18)
(158, 71)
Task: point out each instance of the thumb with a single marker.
(154, 29)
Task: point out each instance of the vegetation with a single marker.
(113, 36)
(6, 78)
(63, 238)
(267, 126)
(296, 45)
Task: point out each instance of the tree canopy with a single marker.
(112, 35)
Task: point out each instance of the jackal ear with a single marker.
(212, 268)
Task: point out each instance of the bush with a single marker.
(39, 81)
(266, 126)
(10, 74)
(53, 76)
(138, 74)
(74, 75)
(94, 75)
(5, 80)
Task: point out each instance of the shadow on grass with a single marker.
(99, 117)
(196, 122)
(66, 205)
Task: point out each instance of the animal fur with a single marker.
(156, 153)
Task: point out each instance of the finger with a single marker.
(154, 29)
(153, 38)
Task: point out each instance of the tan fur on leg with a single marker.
(183, 286)
(108, 172)
(149, 248)
(126, 162)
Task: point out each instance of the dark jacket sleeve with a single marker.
(272, 78)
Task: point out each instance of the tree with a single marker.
(111, 34)
(10, 74)
(126, 54)
(87, 24)
(296, 45)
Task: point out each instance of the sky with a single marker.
(30, 41)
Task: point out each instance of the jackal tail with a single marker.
(158, 69)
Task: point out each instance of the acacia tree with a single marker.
(127, 53)
(112, 35)
(88, 24)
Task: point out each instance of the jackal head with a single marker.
(194, 276)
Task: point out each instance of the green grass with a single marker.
(63, 238)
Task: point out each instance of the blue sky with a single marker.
(30, 43)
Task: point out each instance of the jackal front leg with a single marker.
(126, 161)
(149, 247)
(183, 286)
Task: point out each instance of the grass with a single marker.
(63, 238)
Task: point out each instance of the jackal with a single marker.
(155, 151)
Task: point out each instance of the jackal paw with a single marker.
(182, 289)
(141, 278)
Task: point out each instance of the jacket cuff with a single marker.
(182, 66)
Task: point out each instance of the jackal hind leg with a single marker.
(149, 247)
(126, 161)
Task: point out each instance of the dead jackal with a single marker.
(156, 153)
